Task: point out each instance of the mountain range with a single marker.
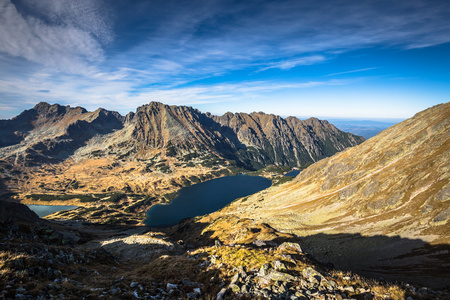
(68, 143)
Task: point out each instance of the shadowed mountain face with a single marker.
(395, 184)
(53, 132)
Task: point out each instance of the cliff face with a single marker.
(271, 139)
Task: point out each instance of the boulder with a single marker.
(278, 265)
(310, 275)
(280, 276)
(264, 270)
(221, 294)
(288, 246)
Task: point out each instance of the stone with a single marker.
(278, 265)
(329, 284)
(288, 258)
(213, 259)
(241, 271)
(264, 281)
(280, 276)
(264, 270)
(221, 294)
(235, 288)
(171, 286)
(349, 289)
(234, 279)
(290, 247)
(133, 284)
(282, 289)
(310, 275)
(259, 243)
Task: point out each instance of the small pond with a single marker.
(45, 210)
(292, 173)
(204, 198)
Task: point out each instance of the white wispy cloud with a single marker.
(292, 63)
(64, 41)
(352, 71)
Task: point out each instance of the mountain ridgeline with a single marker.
(51, 133)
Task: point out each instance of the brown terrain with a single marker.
(116, 166)
(381, 208)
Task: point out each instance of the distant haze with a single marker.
(365, 128)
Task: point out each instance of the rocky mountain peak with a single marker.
(253, 140)
(46, 110)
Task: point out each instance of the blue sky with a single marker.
(367, 59)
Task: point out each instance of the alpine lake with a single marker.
(204, 198)
(45, 210)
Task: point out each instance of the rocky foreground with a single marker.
(44, 260)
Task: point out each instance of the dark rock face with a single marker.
(255, 139)
(54, 132)
(11, 211)
(270, 139)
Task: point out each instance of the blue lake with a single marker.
(293, 173)
(204, 198)
(45, 210)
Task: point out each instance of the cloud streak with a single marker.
(352, 71)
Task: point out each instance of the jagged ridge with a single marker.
(253, 140)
